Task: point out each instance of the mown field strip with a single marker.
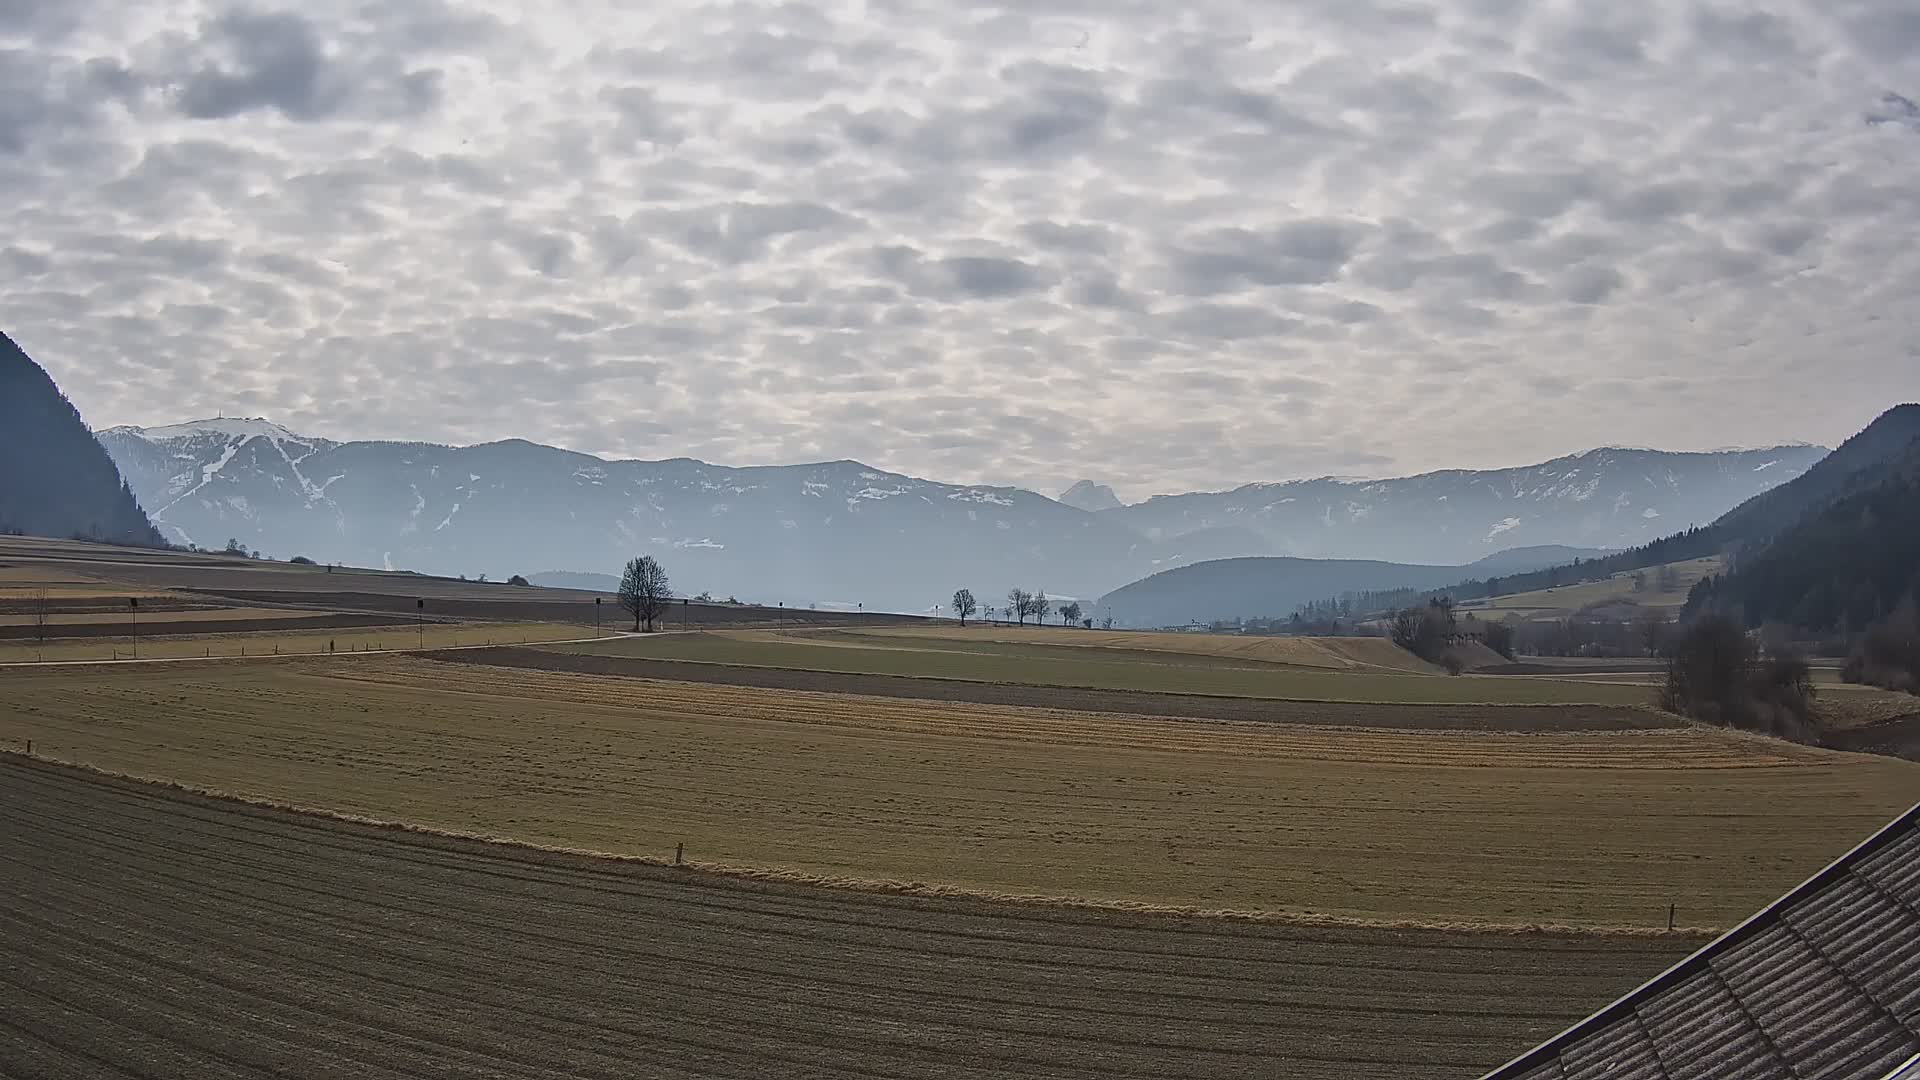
(1159, 671)
(211, 639)
(162, 934)
(1594, 829)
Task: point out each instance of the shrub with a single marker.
(1888, 654)
(1716, 675)
(301, 560)
(1500, 639)
(518, 579)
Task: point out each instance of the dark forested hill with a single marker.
(1848, 564)
(1858, 463)
(1747, 531)
(55, 478)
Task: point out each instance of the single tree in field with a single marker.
(964, 605)
(1019, 604)
(40, 611)
(1041, 606)
(643, 590)
(1070, 614)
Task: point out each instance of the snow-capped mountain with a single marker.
(1606, 498)
(842, 532)
(832, 532)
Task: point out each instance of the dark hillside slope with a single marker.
(1858, 463)
(1842, 567)
(55, 478)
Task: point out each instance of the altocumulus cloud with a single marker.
(1018, 242)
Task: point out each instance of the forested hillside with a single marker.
(1748, 531)
(1841, 568)
(55, 478)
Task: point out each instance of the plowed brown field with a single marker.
(1591, 828)
(152, 933)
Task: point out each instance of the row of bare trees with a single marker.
(1021, 606)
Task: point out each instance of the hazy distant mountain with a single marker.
(1089, 496)
(573, 579)
(1608, 498)
(831, 532)
(826, 533)
(1258, 588)
(1521, 560)
(55, 480)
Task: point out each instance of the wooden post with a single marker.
(679, 853)
(1669, 916)
(29, 747)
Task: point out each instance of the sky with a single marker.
(1162, 246)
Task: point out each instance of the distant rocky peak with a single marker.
(224, 427)
(1089, 496)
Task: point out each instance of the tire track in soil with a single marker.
(151, 932)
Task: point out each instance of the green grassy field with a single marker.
(1565, 600)
(985, 660)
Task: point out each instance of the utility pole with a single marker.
(133, 605)
(420, 618)
(596, 616)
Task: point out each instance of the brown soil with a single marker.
(1196, 706)
(1896, 737)
(150, 932)
(536, 605)
(162, 628)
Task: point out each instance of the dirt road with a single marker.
(150, 933)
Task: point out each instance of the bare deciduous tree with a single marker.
(1070, 614)
(964, 605)
(1020, 604)
(1041, 606)
(643, 590)
(41, 608)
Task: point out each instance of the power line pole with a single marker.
(420, 618)
(133, 605)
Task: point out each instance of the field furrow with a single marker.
(1580, 827)
(150, 932)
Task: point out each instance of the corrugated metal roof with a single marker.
(1824, 984)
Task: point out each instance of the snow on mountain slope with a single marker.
(841, 531)
(816, 533)
(1606, 498)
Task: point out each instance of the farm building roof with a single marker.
(1822, 983)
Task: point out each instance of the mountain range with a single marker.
(1605, 498)
(842, 532)
(1829, 549)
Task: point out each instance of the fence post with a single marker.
(679, 853)
(1669, 916)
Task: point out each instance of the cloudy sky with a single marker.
(1164, 246)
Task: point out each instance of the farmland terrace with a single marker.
(157, 933)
